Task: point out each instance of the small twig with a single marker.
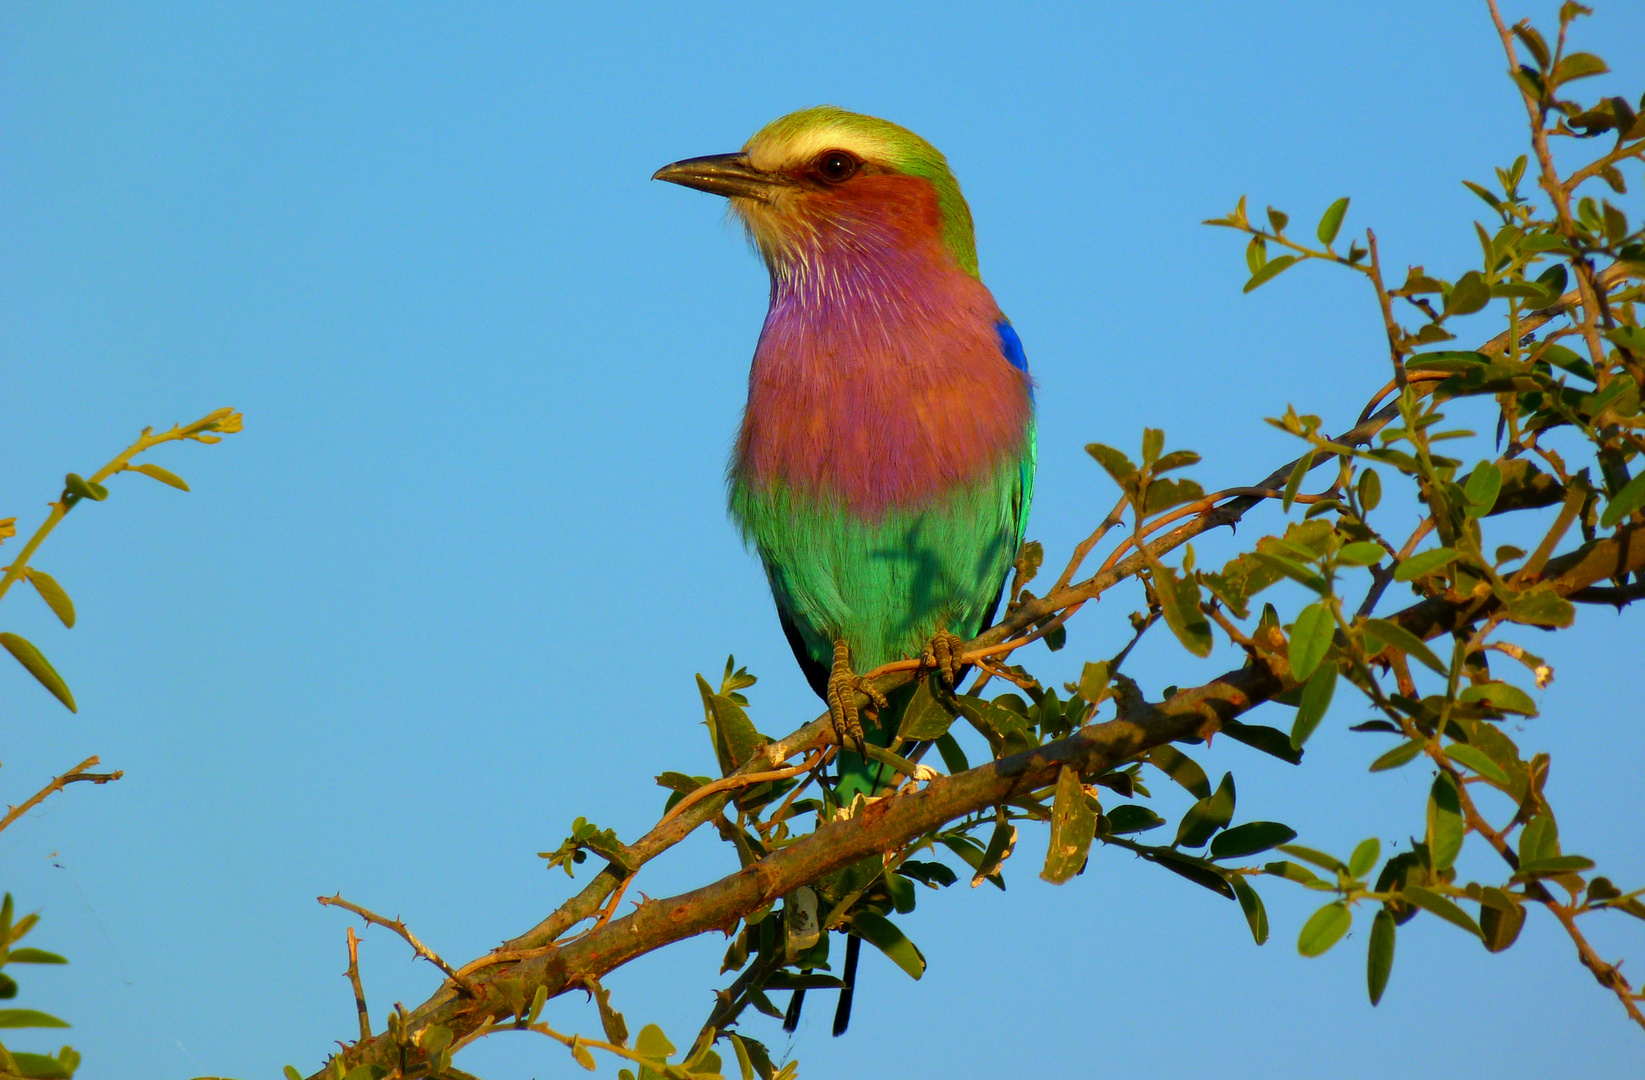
(74, 775)
(1607, 974)
(354, 981)
(731, 783)
(225, 420)
(1396, 352)
(1620, 595)
(399, 927)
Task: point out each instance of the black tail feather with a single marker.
(842, 1012)
(792, 1019)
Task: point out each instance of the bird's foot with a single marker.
(843, 687)
(942, 653)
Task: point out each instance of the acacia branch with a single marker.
(893, 821)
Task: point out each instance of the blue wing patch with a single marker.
(1011, 346)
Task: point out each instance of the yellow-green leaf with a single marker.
(162, 475)
(53, 594)
(37, 665)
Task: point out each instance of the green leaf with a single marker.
(1364, 857)
(1446, 827)
(1539, 839)
(41, 1067)
(653, 1044)
(1249, 839)
(38, 666)
(1370, 489)
(1315, 856)
(881, 933)
(1424, 563)
(1399, 755)
(1316, 698)
(34, 956)
(1468, 295)
(1500, 695)
(953, 756)
(1073, 824)
(1331, 222)
(1290, 871)
(53, 594)
(1119, 466)
(1379, 960)
(1380, 633)
(1181, 768)
(1500, 919)
(1207, 815)
(1256, 916)
(1578, 65)
(1130, 818)
(745, 1064)
(1435, 904)
(925, 718)
(1556, 864)
(1479, 761)
(1179, 603)
(1624, 502)
(1176, 459)
(292, 1073)
(1324, 929)
(1094, 681)
(1293, 483)
(1310, 640)
(1268, 740)
(1200, 872)
(1270, 270)
(29, 1018)
(735, 739)
(1292, 569)
(1482, 488)
(1540, 606)
(1361, 553)
(165, 477)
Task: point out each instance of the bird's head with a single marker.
(824, 175)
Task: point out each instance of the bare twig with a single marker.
(399, 927)
(77, 774)
(354, 981)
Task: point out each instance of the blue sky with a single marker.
(449, 588)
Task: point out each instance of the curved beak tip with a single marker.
(730, 175)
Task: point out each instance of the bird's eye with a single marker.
(836, 166)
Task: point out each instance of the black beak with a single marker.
(722, 174)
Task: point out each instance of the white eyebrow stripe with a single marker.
(771, 155)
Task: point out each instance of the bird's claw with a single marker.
(843, 687)
(942, 653)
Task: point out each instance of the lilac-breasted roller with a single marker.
(886, 458)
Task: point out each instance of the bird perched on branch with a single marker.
(886, 458)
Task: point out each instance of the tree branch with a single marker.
(74, 775)
(888, 823)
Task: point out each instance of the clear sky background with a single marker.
(449, 588)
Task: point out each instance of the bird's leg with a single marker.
(843, 686)
(943, 653)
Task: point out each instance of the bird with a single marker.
(884, 466)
